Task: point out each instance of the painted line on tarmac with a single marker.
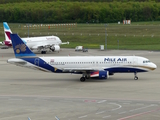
(82, 116)
(100, 112)
(102, 101)
(107, 116)
(142, 108)
(136, 115)
(117, 105)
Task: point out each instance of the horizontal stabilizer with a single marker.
(64, 43)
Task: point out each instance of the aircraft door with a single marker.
(135, 61)
(36, 61)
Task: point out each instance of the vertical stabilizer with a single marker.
(7, 31)
(19, 47)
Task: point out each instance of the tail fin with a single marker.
(19, 47)
(7, 31)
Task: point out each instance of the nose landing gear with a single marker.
(135, 76)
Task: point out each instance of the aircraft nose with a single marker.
(154, 66)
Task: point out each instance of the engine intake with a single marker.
(55, 48)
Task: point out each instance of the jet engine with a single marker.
(100, 74)
(55, 48)
(2, 43)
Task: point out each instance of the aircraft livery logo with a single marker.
(20, 48)
(115, 59)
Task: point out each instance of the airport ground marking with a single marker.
(102, 101)
(100, 112)
(107, 116)
(83, 116)
(139, 114)
(117, 105)
(142, 108)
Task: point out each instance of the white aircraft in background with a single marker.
(41, 44)
(88, 66)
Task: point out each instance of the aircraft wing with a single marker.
(64, 43)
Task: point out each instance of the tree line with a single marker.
(19, 1)
(80, 12)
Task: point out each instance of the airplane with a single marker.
(41, 44)
(7, 32)
(100, 67)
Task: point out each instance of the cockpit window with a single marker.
(146, 61)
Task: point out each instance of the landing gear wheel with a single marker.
(82, 79)
(136, 78)
(43, 52)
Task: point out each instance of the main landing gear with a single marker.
(84, 77)
(43, 52)
(135, 76)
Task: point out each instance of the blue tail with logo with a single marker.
(19, 47)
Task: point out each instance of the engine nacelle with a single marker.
(55, 48)
(2, 43)
(100, 74)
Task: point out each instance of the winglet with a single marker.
(19, 47)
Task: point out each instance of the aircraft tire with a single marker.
(82, 79)
(43, 52)
(135, 78)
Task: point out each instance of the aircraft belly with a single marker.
(125, 69)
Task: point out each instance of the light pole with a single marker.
(28, 28)
(105, 36)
